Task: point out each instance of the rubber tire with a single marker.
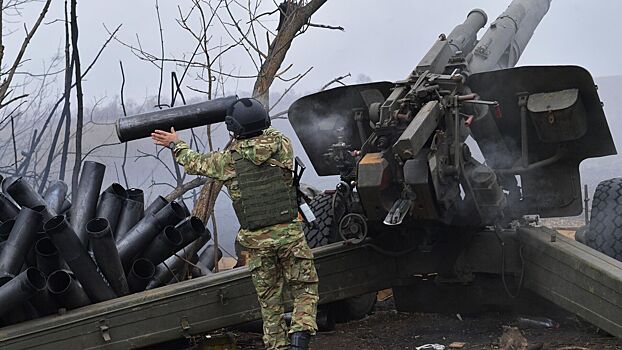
(605, 230)
(354, 308)
(322, 233)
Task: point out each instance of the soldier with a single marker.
(257, 170)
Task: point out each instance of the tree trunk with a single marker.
(295, 20)
(80, 112)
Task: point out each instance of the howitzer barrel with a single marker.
(504, 42)
(462, 39)
(464, 36)
(183, 117)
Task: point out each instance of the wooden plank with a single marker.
(193, 307)
(574, 276)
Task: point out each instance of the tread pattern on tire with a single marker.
(320, 234)
(323, 233)
(605, 229)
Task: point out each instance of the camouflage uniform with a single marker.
(278, 254)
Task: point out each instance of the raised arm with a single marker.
(217, 165)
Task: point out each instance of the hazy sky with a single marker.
(384, 39)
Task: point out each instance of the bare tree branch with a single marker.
(294, 21)
(289, 89)
(4, 86)
(179, 191)
(127, 185)
(337, 80)
(325, 26)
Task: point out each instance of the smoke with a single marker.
(320, 119)
(363, 78)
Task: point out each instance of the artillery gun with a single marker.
(442, 176)
(405, 151)
(450, 164)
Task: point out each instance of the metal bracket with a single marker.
(222, 294)
(104, 329)
(398, 211)
(184, 324)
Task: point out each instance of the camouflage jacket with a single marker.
(220, 166)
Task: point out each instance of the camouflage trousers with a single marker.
(271, 269)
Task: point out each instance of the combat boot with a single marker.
(300, 341)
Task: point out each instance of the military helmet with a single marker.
(246, 118)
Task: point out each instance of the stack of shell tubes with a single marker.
(57, 256)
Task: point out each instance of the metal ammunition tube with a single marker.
(19, 313)
(66, 290)
(5, 229)
(26, 196)
(192, 228)
(22, 193)
(141, 273)
(174, 267)
(136, 194)
(164, 245)
(106, 255)
(186, 269)
(55, 196)
(207, 257)
(71, 249)
(155, 206)
(169, 269)
(65, 208)
(20, 288)
(110, 205)
(145, 231)
(47, 256)
(185, 207)
(183, 117)
(131, 213)
(19, 242)
(44, 303)
(8, 210)
(85, 203)
(31, 256)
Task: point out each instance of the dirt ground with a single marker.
(388, 329)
